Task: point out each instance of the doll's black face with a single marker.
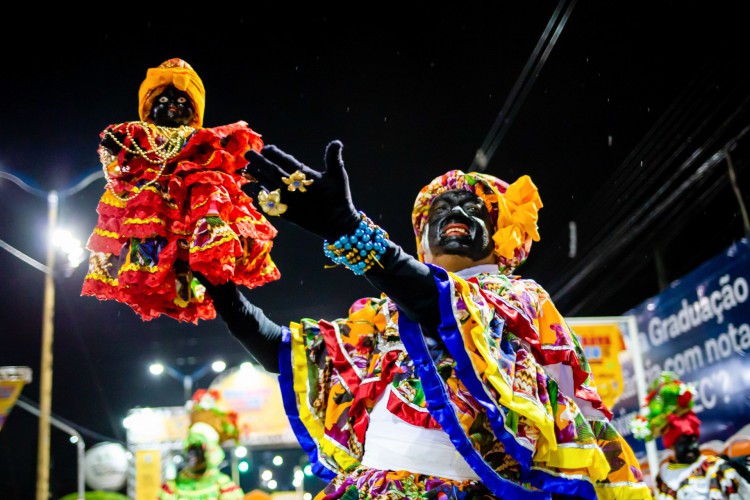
(459, 224)
(172, 108)
(686, 449)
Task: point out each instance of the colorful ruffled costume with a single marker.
(509, 383)
(210, 427)
(174, 205)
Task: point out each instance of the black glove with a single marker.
(259, 335)
(325, 208)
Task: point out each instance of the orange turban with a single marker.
(180, 74)
(513, 208)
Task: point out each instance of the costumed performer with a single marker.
(201, 477)
(460, 380)
(687, 474)
(174, 204)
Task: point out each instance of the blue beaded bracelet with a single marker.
(360, 250)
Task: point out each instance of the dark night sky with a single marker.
(629, 92)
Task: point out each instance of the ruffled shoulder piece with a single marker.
(327, 382)
(514, 445)
(530, 314)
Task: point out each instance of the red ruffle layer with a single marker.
(193, 216)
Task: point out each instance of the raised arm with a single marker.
(247, 322)
(324, 207)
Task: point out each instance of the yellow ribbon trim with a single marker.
(575, 457)
(545, 423)
(136, 267)
(311, 421)
(198, 205)
(102, 278)
(106, 234)
(110, 199)
(210, 159)
(623, 491)
(150, 220)
(223, 240)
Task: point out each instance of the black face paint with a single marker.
(172, 108)
(195, 458)
(686, 449)
(459, 224)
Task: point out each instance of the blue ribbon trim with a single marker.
(441, 409)
(451, 336)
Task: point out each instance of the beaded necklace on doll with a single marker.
(165, 143)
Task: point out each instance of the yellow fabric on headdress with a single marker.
(518, 217)
(513, 208)
(180, 74)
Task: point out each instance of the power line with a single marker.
(522, 87)
(632, 229)
(706, 117)
(645, 167)
(79, 428)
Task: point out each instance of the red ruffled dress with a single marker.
(175, 205)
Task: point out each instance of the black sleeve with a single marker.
(410, 284)
(259, 335)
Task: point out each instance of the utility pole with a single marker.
(48, 316)
(45, 380)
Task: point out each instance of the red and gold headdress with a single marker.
(205, 407)
(668, 411)
(514, 209)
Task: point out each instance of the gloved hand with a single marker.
(325, 206)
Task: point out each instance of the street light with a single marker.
(48, 314)
(187, 379)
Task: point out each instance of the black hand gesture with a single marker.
(323, 207)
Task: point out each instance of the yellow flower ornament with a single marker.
(270, 202)
(297, 181)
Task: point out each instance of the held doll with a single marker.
(174, 205)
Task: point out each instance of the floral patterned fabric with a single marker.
(488, 383)
(159, 223)
(401, 484)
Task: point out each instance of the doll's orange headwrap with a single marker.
(180, 74)
(514, 209)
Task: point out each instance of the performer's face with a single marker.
(172, 108)
(459, 224)
(195, 457)
(686, 449)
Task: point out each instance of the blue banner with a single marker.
(698, 328)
